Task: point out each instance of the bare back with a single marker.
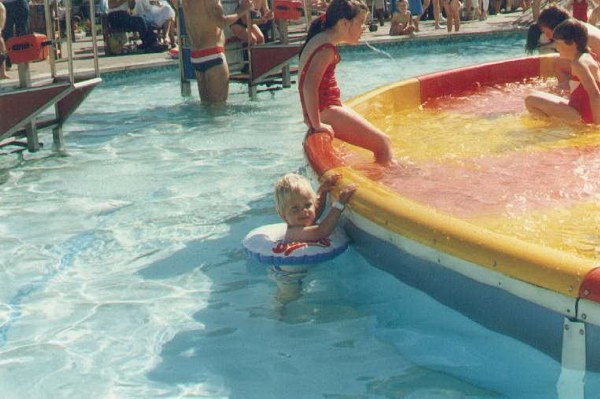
(593, 39)
(204, 23)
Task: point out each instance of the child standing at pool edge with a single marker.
(300, 207)
(571, 39)
(323, 110)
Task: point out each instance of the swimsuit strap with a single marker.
(310, 58)
(303, 73)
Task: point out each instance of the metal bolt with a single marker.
(586, 292)
(583, 316)
(566, 327)
(581, 332)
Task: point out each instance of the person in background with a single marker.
(402, 20)
(579, 9)
(252, 34)
(17, 18)
(3, 54)
(452, 9)
(158, 14)
(379, 13)
(583, 104)
(416, 10)
(120, 17)
(539, 37)
(204, 23)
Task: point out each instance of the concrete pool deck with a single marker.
(83, 60)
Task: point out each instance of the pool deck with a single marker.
(83, 60)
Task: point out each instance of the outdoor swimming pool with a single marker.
(123, 276)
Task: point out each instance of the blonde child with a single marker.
(300, 207)
(402, 21)
(571, 40)
(3, 55)
(323, 110)
(452, 8)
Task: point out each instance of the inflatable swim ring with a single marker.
(267, 245)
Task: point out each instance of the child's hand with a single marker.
(346, 193)
(329, 182)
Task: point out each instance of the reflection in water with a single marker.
(289, 285)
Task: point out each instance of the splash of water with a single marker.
(384, 53)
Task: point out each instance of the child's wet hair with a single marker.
(337, 10)
(289, 186)
(572, 31)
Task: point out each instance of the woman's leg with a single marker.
(455, 6)
(449, 15)
(436, 13)
(257, 34)
(550, 105)
(351, 127)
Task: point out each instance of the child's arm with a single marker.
(583, 72)
(310, 92)
(325, 187)
(326, 227)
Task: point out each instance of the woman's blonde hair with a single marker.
(289, 186)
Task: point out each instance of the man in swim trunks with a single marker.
(204, 23)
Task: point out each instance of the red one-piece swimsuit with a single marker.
(580, 100)
(329, 92)
(580, 10)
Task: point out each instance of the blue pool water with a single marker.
(122, 273)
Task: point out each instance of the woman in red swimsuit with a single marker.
(319, 93)
(571, 40)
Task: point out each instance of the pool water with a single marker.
(122, 273)
(531, 178)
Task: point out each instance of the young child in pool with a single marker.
(323, 110)
(571, 40)
(300, 207)
(402, 20)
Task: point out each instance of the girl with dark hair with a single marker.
(343, 22)
(549, 19)
(545, 24)
(571, 39)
